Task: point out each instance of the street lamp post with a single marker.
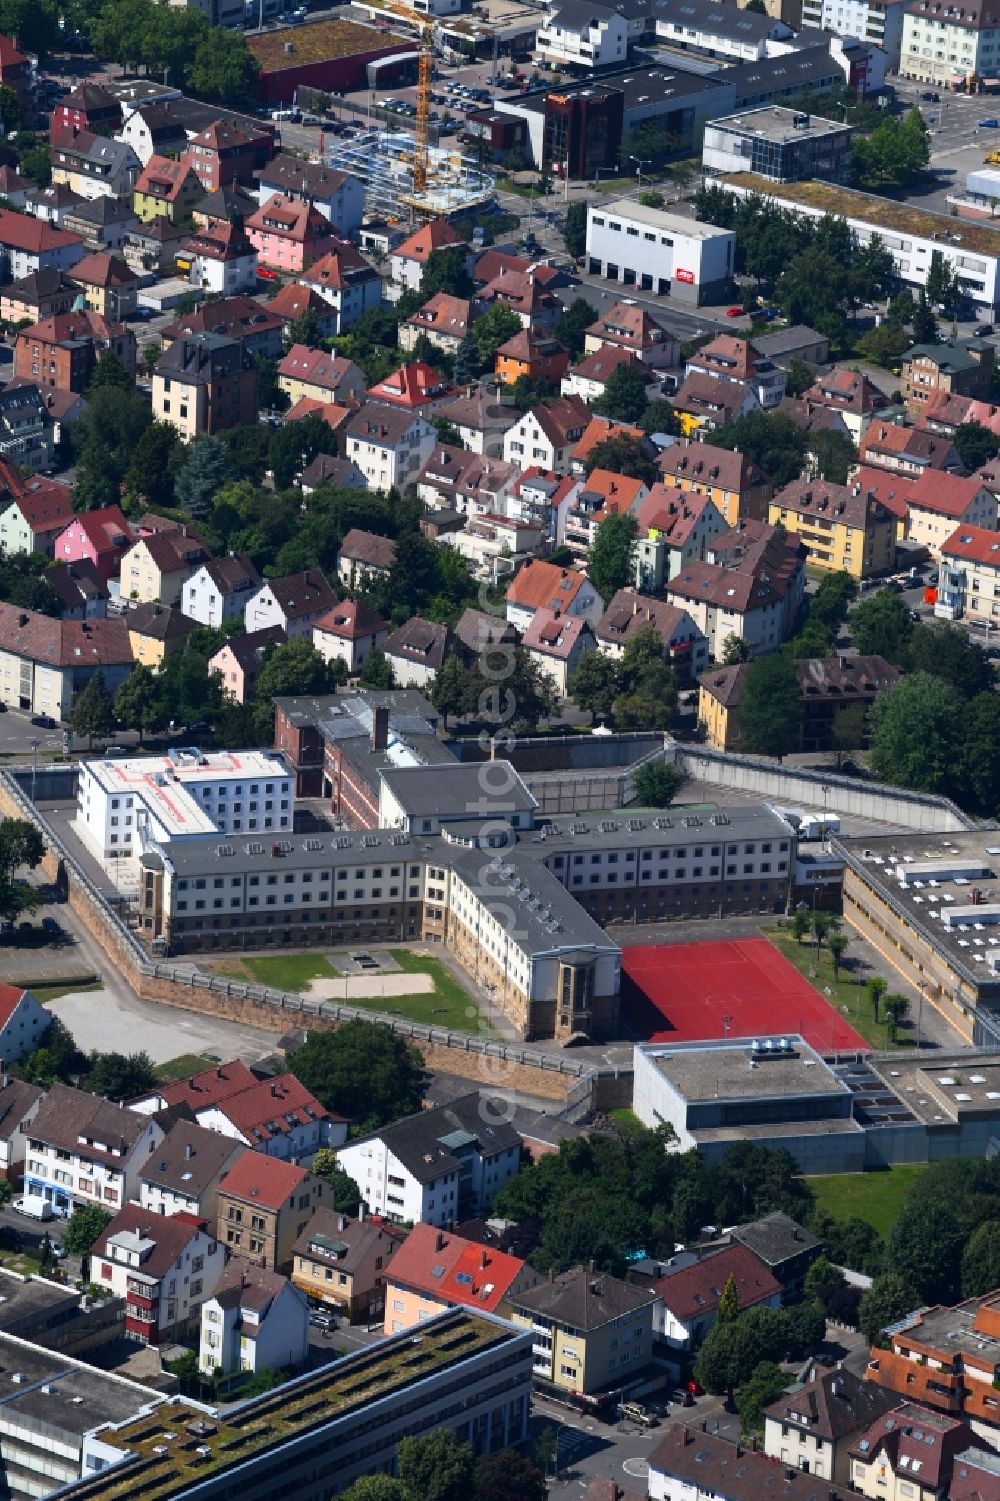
(34, 765)
(920, 1013)
(639, 164)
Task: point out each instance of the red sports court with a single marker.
(694, 992)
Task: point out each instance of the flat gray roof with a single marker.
(731, 1070)
(658, 218)
(459, 789)
(56, 1393)
(774, 122)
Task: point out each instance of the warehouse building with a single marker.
(660, 252)
(330, 55)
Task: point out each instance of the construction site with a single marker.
(406, 183)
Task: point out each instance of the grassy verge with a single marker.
(844, 995)
(45, 993)
(626, 1119)
(282, 972)
(875, 1197)
(180, 1068)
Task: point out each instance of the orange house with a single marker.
(534, 354)
(946, 1357)
(434, 1270)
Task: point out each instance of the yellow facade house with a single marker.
(166, 189)
(592, 1331)
(843, 527)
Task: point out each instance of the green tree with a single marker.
(889, 1298)
(575, 231)
(798, 377)
(436, 1466)
(770, 440)
(10, 109)
(925, 329)
(468, 365)
(377, 1488)
(979, 774)
(153, 466)
(450, 690)
(87, 1224)
(832, 600)
(611, 560)
(916, 730)
(120, 1076)
(377, 671)
(800, 924)
(834, 453)
(647, 685)
(35, 24)
(624, 396)
(21, 846)
(875, 990)
(93, 712)
(445, 270)
(837, 944)
(346, 1193)
(529, 391)
(508, 1476)
(771, 708)
(110, 372)
(492, 329)
(975, 443)
(901, 308)
(594, 685)
(572, 324)
(942, 282)
(297, 668)
(33, 159)
(363, 1070)
(945, 651)
(295, 444)
(764, 1386)
(206, 469)
(656, 783)
(925, 1247)
(881, 626)
(623, 454)
(729, 1355)
(735, 650)
(223, 68)
(105, 440)
(729, 1303)
(896, 1010)
(138, 703)
(658, 416)
(305, 328)
(981, 1260)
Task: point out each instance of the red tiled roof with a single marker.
(554, 634)
(411, 386)
(696, 1290)
(170, 1234)
(10, 999)
(45, 506)
(368, 548)
(162, 177)
(599, 428)
(262, 1180)
(434, 235)
(454, 1270)
(351, 619)
(977, 544)
(271, 1107)
(316, 367)
(892, 490)
(290, 218)
(24, 232)
(208, 1087)
(947, 494)
(541, 585)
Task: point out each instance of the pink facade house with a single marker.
(289, 234)
(101, 537)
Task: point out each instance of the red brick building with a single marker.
(222, 154)
(88, 107)
(62, 351)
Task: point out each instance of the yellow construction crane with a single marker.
(425, 30)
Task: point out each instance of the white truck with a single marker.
(33, 1206)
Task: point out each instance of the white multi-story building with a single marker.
(390, 447)
(576, 35)
(968, 581)
(722, 31)
(949, 44)
(120, 804)
(83, 1150)
(220, 589)
(163, 1267)
(876, 21)
(255, 1320)
(23, 1024)
(656, 251)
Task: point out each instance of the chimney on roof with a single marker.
(380, 728)
(189, 1151)
(439, 1242)
(342, 1222)
(274, 1090)
(218, 1073)
(22, 619)
(483, 1260)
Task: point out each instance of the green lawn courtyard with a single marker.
(842, 991)
(445, 1004)
(875, 1197)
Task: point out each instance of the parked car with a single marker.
(988, 124)
(32, 1206)
(735, 312)
(929, 97)
(983, 331)
(43, 721)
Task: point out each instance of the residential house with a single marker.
(437, 1166)
(407, 261)
(154, 631)
(346, 281)
(27, 432)
(325, 468)
(349, 633)
(53, 204)
(836, 694)
(23, 1023)
(434, 1270)
(389, 446)
(294, 603)
(156, 568)
(14, 188)
(239, 660)
(733, 482)
(414, 387)
(196, 1092)
(17, 72)
(453, 479)
(322, 376)
(84, 1150)
(539, 585)
(924, 1450)
(88, 107)
(264, 1206)
(166, 187)
(100, 537)
(702, 401)
(675, 527)
(726, 358)
(602, 494)
(255, 1320)
(240, 317)
(592, 1331)
(589, 377)
(221, 153)
(92, 165)
(293, 300)
(575, 36)
(960, 367)
(220, 589)
(628, 326)
(939, 504)
(109, 285)
(480, 421)
(526, 293)
(277, 1117)
(479, 631)
(751, 584)
(443, 321)
(40, 294)
(699, 1465)
(685, 646)
(154, 130)
(688, 1296)
(492, 545)
(416, 652)
(163, 1266)
(289, 234)
(814, 1426)
(28, 244)
(343, 1263)
(46, 663)
(334, 416)
(34, 519)
(203, 384)
(184, 1173)
(336, 195)
(153, 247)
(533, 354)
(62, 351)
(103, 224)
(946, 1357)
(968, 581)
(547, 434)
(557, 644)
(544, 497)
(80, 590)
(906, 451)
(221, 260)
(850, 393)
(223, 205)
(364, 557)
(943, 413)
(19, 1104)
(784, 1247)
(843, 529)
